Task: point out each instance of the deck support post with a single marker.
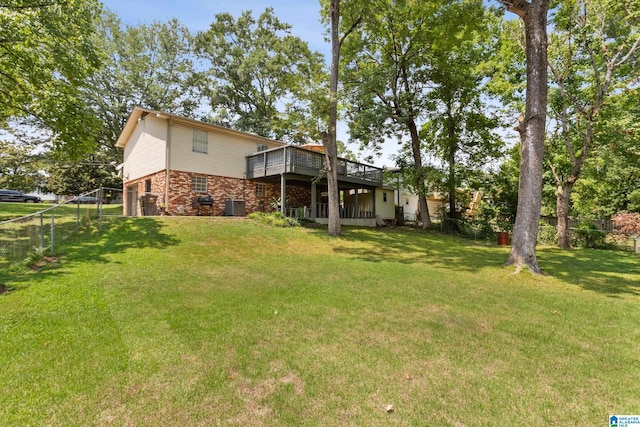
(356, 205)
(283, 194)
(314, 200)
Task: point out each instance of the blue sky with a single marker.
(197, 15)
(302, 15)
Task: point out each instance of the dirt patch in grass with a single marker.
(43, 262)
(255, 394)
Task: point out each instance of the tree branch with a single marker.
(519, 7)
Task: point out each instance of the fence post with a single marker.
(52, 235)
(41, 233)
(77, 216)
(100, 210)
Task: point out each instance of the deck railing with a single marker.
(299, 161)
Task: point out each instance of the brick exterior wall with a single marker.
(181, 195)
(157, 189)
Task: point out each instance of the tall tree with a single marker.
(461, 124)
(260, 75)
(47, 50)
(610, 181)
(148, 65)
(20, 167)
(387, 74)
(593, 53)
(342, 23)
(532, 128)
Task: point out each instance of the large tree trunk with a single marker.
(532, 130)
(451, 138)
(563, 195)
(330, 145)
(420, 184)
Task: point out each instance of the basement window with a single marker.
(261, 190)
(199, 184)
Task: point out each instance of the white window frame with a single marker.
(199, 184)
(200, 141)
(261, 190)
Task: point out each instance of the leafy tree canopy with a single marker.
(47, 50)
(260, 75)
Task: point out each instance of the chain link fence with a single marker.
(38, 234)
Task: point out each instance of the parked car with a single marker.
(85, 199)
(17, 196)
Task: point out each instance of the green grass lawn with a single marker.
(212, 321)
(10, 211)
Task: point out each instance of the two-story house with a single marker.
(180, 166)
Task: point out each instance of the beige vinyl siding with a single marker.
(386, 210)
(226, 154)
(182, 156)
(145, 151)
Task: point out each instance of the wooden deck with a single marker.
(298, 161)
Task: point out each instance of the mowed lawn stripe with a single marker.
(202, 321)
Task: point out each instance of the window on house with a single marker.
(199, 184)
(262, 147)
(200, 141)
(147, 186)
(384, 196)
(261, 190)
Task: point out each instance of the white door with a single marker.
(132, 200)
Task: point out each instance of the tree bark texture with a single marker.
(563, 195)
(452, 145)
(423, 208)
(330, 145)
(525, 232)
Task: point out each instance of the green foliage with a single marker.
(547, 234)
(20, 167)
(460, 131)
(593, 53)
(588, 235)
(275, 219)
(260, 76)
(35, 256)
(501, 194)
(478, 229)
(82, 177)
(147, 65)
(611, 179)
(47, 51)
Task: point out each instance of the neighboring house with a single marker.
(408, 200)
(180, 166)
(436, 202)
(46, 197)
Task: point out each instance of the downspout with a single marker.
(168, 164)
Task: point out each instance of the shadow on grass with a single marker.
(411, 246)
(91, 246)
(612, 273)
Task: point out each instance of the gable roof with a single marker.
(139, 113)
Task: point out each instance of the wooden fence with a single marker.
(602, 224)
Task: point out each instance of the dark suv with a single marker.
(16, 196)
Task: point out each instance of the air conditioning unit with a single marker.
(235, 208)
